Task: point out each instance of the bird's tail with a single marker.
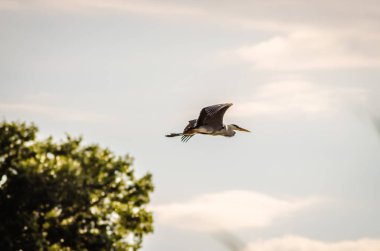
(174, 134)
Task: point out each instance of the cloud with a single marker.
(298, 243)
(229, 210)
(56, 113)
(295, 97)
(313, 49)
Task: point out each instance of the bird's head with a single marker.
(238, 128)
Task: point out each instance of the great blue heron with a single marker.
(210, 121)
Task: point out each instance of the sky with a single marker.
(303, 77)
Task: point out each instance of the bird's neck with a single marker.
(229, 127)
(229, 130)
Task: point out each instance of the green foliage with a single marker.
(64, 196)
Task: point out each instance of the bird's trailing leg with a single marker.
(174, 134)
(186, 137)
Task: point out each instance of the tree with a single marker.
(65, 196)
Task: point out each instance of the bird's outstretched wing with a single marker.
(212, 115)
(186, 135)
(190, 126)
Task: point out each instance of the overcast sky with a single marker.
(303, 77)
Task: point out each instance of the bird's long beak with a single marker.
(243, 130)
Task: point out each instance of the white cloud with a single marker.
(56, 113)
(314, 49)
(229, 210)
(298, 243)
(299, 97)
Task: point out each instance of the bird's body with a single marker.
(210, 122)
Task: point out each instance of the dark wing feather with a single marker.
(189, 126)
(212, 115)
(185, 136)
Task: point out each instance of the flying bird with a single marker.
(210, 122)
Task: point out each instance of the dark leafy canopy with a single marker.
(64, 196)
